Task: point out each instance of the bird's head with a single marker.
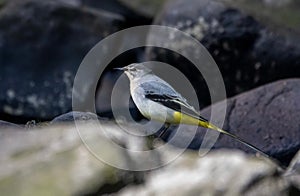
(135, 70)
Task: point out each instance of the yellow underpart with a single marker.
(180, 118)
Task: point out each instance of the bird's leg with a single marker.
(163, 130)
(152, 140)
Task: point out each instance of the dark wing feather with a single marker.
(164, 94)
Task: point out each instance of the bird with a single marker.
(158, 100)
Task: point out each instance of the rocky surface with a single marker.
(265, 117)
(53, 160)
(250, 47)
(40, 54)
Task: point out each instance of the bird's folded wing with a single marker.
(164, 94)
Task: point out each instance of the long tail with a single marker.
(213, 127)
(199, 121)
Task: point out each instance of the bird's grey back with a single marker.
(152, 84)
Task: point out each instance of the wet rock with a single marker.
(265, 117)
(250, 49)
(219, 173)
(54, 160)
(40, 54)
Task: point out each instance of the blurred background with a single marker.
(42, 44)
(255, 43)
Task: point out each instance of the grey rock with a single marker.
(42, 43)
(265, 117)
(75, 116)
(250, 49)
(54, 160)
(5, 124)
(293, 171)
(218, 173)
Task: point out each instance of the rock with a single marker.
(133, 17)
(40, 55)
(218, 173)
(265, 117)
(75, 116)
(249, 48)
(54, 160)
(2, 3)
(275, 12)
(67, 160)
(75, 3)
(4, 124)
(147, 8)
(293, 171)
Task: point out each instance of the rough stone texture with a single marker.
(42, 43)
(266, 117)
(250, 49)
(219, 173)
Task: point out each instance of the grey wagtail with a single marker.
(157, 100)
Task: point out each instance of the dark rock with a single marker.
(145, 7)
(132, 17)
(266, 117)
(249, 49)
(42, 43)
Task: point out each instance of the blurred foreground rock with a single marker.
(218, 173)
(251, 47)
(266, 117)
(55, 161)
